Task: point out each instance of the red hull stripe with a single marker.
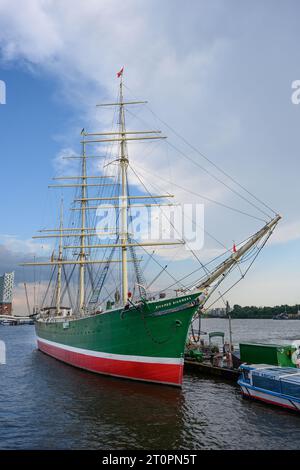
(138, 370)
(271, 402)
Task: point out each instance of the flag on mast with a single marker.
(120, 73)
(234, 248)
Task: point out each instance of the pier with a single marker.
(208, 369)
(15, 320)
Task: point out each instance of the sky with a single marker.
(218, 72)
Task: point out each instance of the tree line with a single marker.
(262, 312)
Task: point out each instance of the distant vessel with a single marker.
(274, 385)
(281, 316)
(124, 334)
(287, 316)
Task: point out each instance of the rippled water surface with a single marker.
(48, 405)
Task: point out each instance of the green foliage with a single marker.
(262, 312)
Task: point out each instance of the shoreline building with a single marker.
(218, 312)
(6, 293)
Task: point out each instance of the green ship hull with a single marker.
(144, 342)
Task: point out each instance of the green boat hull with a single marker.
(145, 342)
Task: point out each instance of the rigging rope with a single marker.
(203, 197)
(247, 270)
(172, 225)
(210, 161)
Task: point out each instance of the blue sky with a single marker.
(29, 120)
(218, 72)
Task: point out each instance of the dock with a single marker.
(208, 369)
(15, 320)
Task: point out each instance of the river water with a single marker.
(49, 405)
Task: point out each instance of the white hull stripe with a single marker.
(273, 398)
(116, 357)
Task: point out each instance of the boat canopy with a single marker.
(216, 333)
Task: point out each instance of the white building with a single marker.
(6, 292)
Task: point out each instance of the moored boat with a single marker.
(273, 385)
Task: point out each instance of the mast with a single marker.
(83, 232)
(59, 267)
(229, 325)
(34, 289)
(118, 200)
(124, 200)
(27, 300)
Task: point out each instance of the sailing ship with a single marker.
(131, 334)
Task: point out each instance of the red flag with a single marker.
(120, 73)
(234, 248)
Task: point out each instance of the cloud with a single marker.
(15, 245)
(201, 72)
(286, 232)
(266, 288)
(15, 251)
(63, 163)
(12, 254)
(84, 47)
(34, 291)
(35, 42)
